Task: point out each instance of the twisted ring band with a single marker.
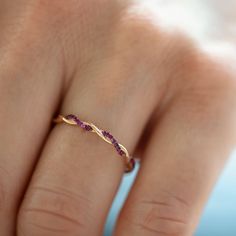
(105, 135)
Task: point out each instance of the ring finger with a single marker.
(78, 174)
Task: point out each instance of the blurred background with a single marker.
(212, 24)
(219, 218)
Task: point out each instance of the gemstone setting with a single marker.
(105, 135)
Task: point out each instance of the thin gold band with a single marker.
(106, 136)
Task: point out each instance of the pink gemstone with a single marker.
(117, 147)
(121, 152)
(71, 117)
(107, 134)
(88, 127)
(79, 122)
(82, 125)
(113, 141)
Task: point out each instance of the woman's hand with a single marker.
(165, 97)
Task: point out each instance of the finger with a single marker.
(28, 96)
(185, 155)
(78, 174)
(69, 193)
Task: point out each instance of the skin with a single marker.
(168, 100)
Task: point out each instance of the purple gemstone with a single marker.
(82, 125)
(71, 117)
(117, 146)
(107, 135)
(113, 141)
(74, 118)
(88, 127)
(79, 123)
(121, 152)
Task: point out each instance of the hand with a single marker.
(160, 92)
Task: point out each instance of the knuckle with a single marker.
(134, 30)
(31, 35)
(142, 41)
(170, 215)
(53, 211)
(141, 36)
(136, 42)
(205, 91)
